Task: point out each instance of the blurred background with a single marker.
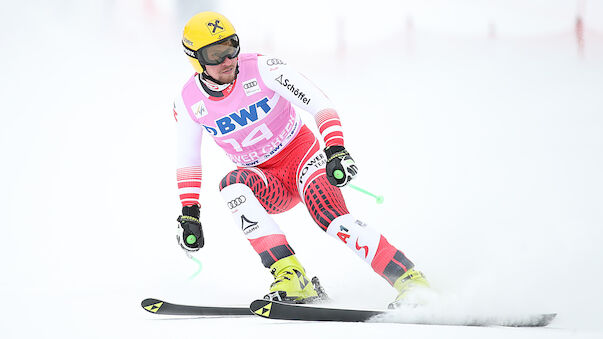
(479, 122)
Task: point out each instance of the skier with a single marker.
(244, 101)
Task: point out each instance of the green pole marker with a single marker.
(378, 198)
(191, 239)
(198, 262)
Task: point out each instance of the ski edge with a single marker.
(284, 311)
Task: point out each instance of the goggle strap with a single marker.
(190, 52)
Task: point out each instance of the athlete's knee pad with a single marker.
(356, 235)
(370, 246)
(248, 212)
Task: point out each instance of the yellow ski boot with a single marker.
(291, 284)
(409, 286)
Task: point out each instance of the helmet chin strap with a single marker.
(206, 76)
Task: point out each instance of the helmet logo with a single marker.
(187, 41)
(214, 27)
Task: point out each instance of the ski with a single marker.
(157, 306)
(284, 311)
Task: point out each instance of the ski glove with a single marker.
(190, 233)
(341, 168)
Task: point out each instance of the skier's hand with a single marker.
(190, 233)
(341, 168)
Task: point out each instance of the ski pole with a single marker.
(338, 174)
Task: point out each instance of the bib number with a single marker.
(256, 135)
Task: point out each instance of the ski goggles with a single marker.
(216, 53)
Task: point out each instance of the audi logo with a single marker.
(250, 84)
(274, 62)
(236, 202)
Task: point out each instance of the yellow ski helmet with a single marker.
(209, 38)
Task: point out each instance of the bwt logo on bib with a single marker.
(242, 118)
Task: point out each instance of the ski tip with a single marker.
(261, 307)
(151, 305)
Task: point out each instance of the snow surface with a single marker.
(487, 150)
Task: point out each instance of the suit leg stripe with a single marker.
(274, 254)
(403, 261)
(281, 252)
(392, 272)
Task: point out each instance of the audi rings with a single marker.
(274, 62)
(237, 202)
